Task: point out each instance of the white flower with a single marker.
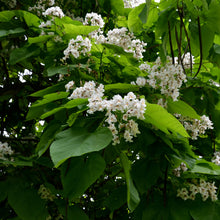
(5, 150)
(77, 46)
(206, 189)
(186, 60)
(183, 193)
(145, 67)
(141, 81)
(45, 193)
(54, 11)
(133, 3)
(129, 106)
(123, 38)
(180, 169)
(168, 78)
(69, 86)
(194, 126)
(94, 19)
(216, 158)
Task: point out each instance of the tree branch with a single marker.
(180, 61)
(171, 46)
(200, 46)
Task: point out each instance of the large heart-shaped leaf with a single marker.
(159, 117)
(75, 142)
(80, 173)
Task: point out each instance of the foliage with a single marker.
(78, 155)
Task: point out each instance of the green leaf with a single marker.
(72, 31)
(160, 118)
(72, 118)
(217, 48)
(50, 98)
(26, 202)
(134, 22)
(179, 210)
(152, 16)
(51, 89)
(76, 213)
(4, 190)
(75, 102)
(64, 69)
(23, 53)
(144, 13)
(18, 162)
(75, 142)
(205, 167)
(121, 88)
(182, 108)
(47, 137)
(117, 197)
(117, 6)
(131, 72)
(40, 39)
(133, 198)
(151, 169)
(18, 30)
(213, 16)
(79, 173)
(30, 19)
(207, 36)
(34, 112)
(6, 16)
(205, 210)
(116, 49)
(52, 112)
(70, 104)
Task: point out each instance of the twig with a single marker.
(165, 187)
(188, 40)
(66, 209)
(200, 46)
(171, 46)
(179, 50)
(19, 139)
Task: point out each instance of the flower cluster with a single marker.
(123, 38)
(94, 19)
(5, 151)
(186, 59)
(180, 169)
(54, 11)
(77, 46)
(45, 193)
(71, 15)
(216, 158)
(11, 4)
(141, 81)
(162, 102)
(132, 3)
(87, 91)
(196, 127)
(168, 78)
(43, 24)
(69, 86)
(41, 6)
(206, 189)
(130, 106)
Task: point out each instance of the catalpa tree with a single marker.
(110, 109)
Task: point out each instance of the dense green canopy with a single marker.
(109, 109)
